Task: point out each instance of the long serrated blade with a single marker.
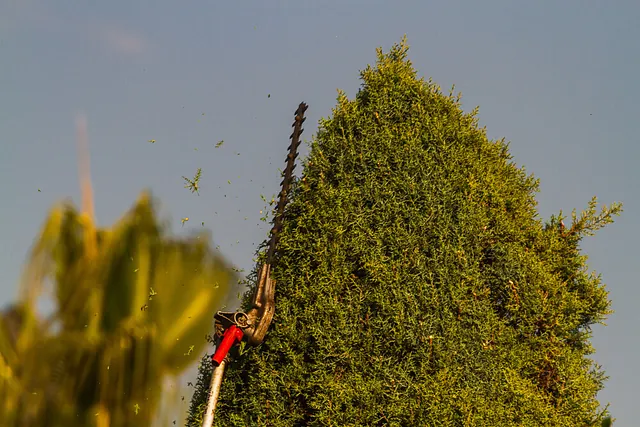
(287, 178)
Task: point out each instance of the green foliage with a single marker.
(132, 306)
(416, 285)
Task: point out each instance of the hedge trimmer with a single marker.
(233, 327)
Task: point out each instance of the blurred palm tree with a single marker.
(132, 306)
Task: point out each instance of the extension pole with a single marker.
(214, 392)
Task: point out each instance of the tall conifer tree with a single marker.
(416, 284)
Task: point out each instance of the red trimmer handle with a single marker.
(232, 335)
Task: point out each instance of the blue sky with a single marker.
(557, 79)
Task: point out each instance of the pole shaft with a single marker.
(214, 393)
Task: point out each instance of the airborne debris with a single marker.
(192, 184)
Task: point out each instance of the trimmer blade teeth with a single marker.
(287, 177)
